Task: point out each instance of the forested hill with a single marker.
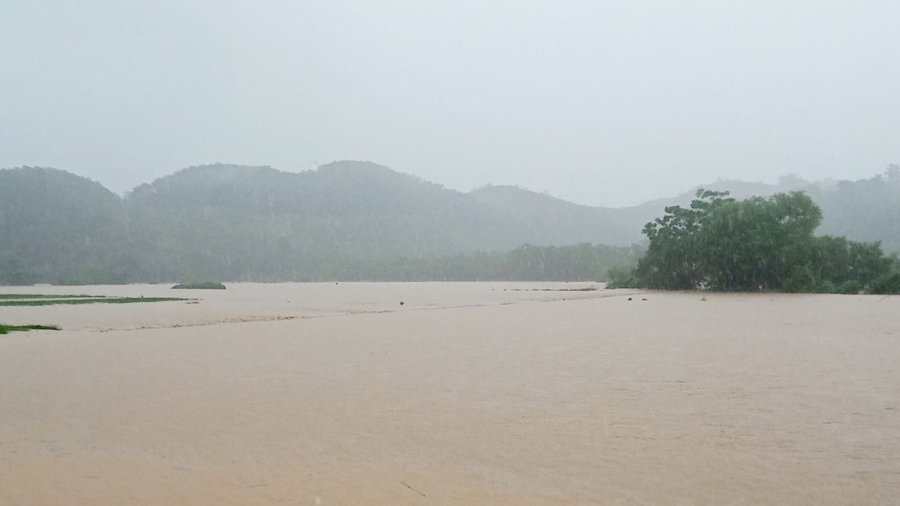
(371, 207)
(56, 226)
(555, 220)
(346, 220)
(865, 210)
(344, 211)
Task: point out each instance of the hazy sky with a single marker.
(603, 103)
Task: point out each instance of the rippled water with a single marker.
(467, 393)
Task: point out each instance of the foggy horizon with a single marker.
(674, 193)
(598, 103)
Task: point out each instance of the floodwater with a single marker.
(468, 393)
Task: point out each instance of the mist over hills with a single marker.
(348, 220)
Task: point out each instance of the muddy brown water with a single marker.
(468, 393)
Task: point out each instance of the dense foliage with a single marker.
(720, 243)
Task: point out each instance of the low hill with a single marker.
(547, 220)
(57, 226)
(864, 210)
(212, 220)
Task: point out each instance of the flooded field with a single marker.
(467, 393)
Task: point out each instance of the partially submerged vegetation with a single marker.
(756, 244)
(19, 296)
(887, 284)
(50, 300)
(205, 285)
(6, 329)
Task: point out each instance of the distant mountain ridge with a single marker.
(231, 222)
(557, 221)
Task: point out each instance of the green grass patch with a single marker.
(92, 300)
(206, 285)
(17, 296)
(6, 329)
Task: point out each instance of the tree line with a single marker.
(756, 244)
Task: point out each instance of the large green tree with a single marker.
(759, 243)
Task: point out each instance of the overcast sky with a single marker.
(601, 103)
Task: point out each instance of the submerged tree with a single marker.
(759, 243)
(673, 260)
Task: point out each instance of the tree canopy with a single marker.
(720, 243)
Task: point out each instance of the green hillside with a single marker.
(56, 226)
